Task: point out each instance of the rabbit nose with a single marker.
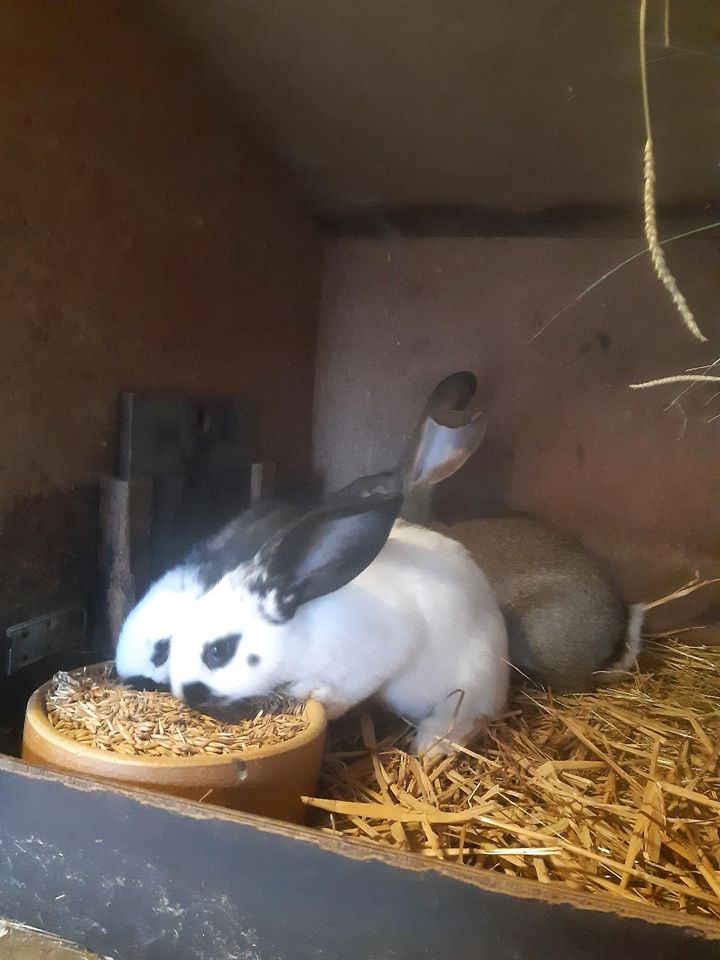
(195, 694)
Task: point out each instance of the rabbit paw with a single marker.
(334, 708)
(442, 734)
(431, 740)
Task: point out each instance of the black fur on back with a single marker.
(241, 539)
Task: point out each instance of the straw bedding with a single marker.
(616, 791)
(90, 707)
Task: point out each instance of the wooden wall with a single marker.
(147, 243)
(637, 480)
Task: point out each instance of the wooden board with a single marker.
(149, 878)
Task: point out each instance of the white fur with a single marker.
(155, 618)
(633, 646)
(419, 628)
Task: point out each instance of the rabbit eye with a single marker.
(161, 651)
(221, 651)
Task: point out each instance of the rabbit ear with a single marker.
(453, 393)
(322, 552)
(386, 483)
(239, 540)
(446, 442)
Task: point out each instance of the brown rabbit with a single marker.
(568, 626)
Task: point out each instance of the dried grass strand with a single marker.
(691, 587)
(657, 255)
(679, 378)
(619, 266)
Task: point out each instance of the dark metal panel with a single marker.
(140, 877)
(198, 452)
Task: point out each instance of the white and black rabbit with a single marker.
(143, 646)
(568, 626)
(346, 604)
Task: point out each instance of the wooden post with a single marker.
(125, 508)
(262, 481)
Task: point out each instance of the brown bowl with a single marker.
(268, 781)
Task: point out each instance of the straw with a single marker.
(616, 791)
(91, 708)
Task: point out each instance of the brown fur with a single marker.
(566, 620)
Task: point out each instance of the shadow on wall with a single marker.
(482, 488)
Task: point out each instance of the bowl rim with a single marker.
(36, 718)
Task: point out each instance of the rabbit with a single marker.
(142, 650)
(143, 647)
(349, 603)
(568, 626)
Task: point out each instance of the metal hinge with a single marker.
(35, 639)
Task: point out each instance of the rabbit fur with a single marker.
(417, 628)
(142, 650)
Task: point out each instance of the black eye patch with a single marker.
(221, 651)
(161, 652)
